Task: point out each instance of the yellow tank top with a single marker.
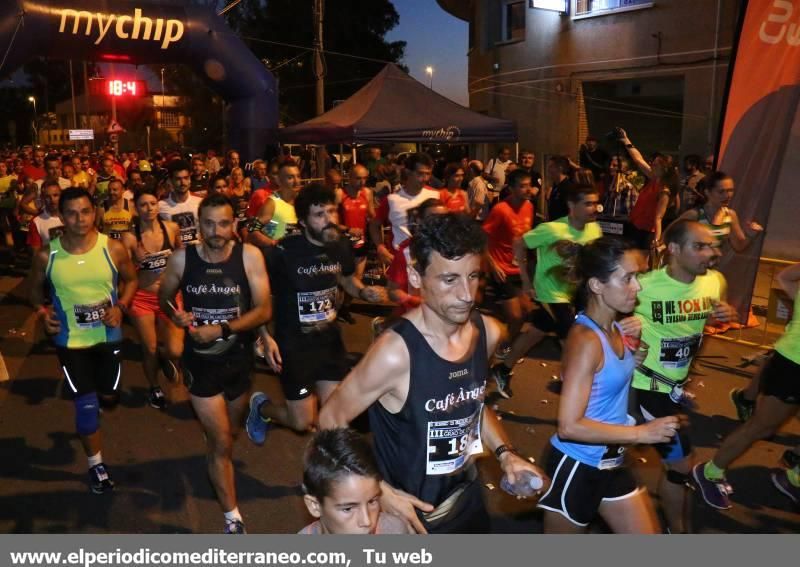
(117, 222)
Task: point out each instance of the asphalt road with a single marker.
(157, 457)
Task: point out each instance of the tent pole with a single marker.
(355, 154)
(516, 146)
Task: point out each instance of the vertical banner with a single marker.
(759, 111)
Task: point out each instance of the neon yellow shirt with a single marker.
(673, 315)
(550, 288)
(789, 344)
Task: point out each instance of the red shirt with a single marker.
(643, 215)
(504, 225)
(354, 210)
(456, 202)
(257, 200)
(35, 173)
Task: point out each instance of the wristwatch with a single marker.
(226, 330)
(504, 448)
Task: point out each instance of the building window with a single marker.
(169, 119)
(513, 18)
(600, 7)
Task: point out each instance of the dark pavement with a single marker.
(157, 458)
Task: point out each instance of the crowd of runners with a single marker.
(216, 263)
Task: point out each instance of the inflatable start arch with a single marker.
(142, 32)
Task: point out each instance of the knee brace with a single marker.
(87, 411)
(676, 477)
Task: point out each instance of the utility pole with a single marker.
(86, 99)
(319, 72)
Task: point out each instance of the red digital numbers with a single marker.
(118, 87)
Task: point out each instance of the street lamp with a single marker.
(429, 72)
(32, 99)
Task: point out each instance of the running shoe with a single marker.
(790, 458)
(502, 377)
(714, 492)
(781, 482)
(157, 398)
(168, 368)
(99, 479)
(255, 425)
(744, 407)
(234, 527)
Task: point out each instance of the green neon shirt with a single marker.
(789, 344)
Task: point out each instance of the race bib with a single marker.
(452, 442)
(155, 263)
(90, 316)
(203, 316)
(612, 458)
(186, 223)
(316, 306)
(678, 353)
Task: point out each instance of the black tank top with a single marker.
(214, 293)
(424, 448)
(154, 262)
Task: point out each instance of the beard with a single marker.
(327, 235)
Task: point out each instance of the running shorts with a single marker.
(228, 374)
(652, 405)
(578, 489)
(781, 378)
(554, 318)
(94, 369)
(311, 358)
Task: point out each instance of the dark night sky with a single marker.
(437, 39)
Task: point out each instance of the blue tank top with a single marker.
(608, 403)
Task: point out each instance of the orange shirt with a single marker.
(504, 225)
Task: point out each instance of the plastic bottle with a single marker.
(527, 484)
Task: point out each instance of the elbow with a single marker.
(566, 429)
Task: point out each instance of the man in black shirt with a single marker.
(423, 382)
(593, 157)
(307, 349)
(558, 170)
(226, 296)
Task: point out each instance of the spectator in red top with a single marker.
(453, 196)
(651, 205)
(507, 222)
(356, 209)
(46, 226)
(34, 169)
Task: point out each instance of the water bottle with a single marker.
(527, 484)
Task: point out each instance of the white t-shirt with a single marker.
(46, 225)
(399, 205)
(63, 182)
(497, 169)
(183, 214)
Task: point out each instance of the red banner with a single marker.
(761, 104)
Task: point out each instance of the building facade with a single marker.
(564, 69)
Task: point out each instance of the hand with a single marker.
(660, 430)
(754, 229)
(113, 316)
(182, 318)
(205, 334)
(723, 312)
(528, 291)
(631, 327)
(273, 354)
(402, 504)
(384, 255)
(512, 464)
(373, 294)
(52, 326)
(356, 232)
(640, 354)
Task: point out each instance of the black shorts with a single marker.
(652, 405)
(228, 374)
(7, 220)
(309, 359)
(554, 318)
(781, 378)
(94, 369)
(578, 489)
(509, 289)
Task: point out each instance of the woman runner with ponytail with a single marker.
(587, 453)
